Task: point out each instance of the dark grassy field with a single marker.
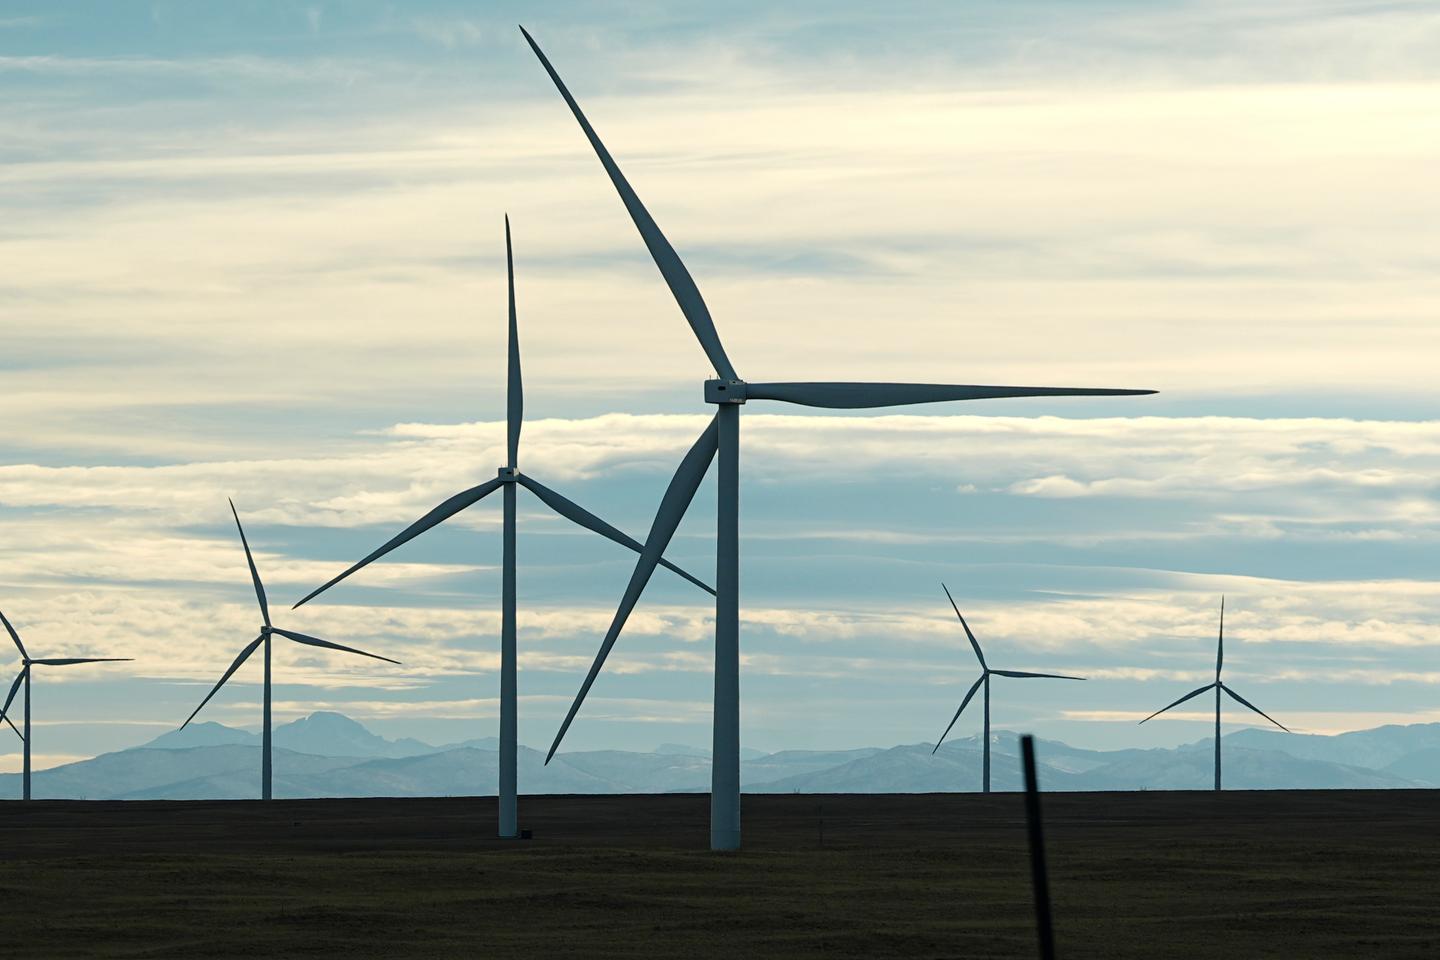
(1152, 875)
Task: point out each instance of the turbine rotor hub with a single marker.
(725, 391)
(509, 474)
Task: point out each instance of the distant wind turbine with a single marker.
(266, 631)
(26, 662)
(1218, 686)
(509, 476)
(985, 674)
(722, 436)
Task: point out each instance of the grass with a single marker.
(1173, 875)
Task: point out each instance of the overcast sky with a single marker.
(256, 250)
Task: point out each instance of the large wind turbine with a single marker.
(266, 632)
(985, 674)
(1218, 686)
(722, 436)
(26, 662)
(509, 476)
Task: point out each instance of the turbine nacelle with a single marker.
(725, 391)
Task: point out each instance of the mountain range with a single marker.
(331, 755)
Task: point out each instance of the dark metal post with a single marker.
(1037, 851)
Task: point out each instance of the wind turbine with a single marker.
(26, 662)
(266, 632)
(722, 436)
(508, 477)
(1218, 686)
(985, 674)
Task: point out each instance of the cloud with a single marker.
(293, 302)
(451, 33)
(1327, 478)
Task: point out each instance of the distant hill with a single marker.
(331, 755)
(1421, 766)
(1192, 767)
(207, 734)
(1415, 747)
(912, 769)
(323, 734)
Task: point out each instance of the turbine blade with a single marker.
(1192, 693)
(973, 642)
(579, 515)
(317, 642)
(681, 284)
(14, 636)
(15, 728)
(1220, 647)
(673, 505)
(443, 512)
(14, 688)
(1019, 675)
(68, 661)
(963, 704)
(254, 574)
(244, 655)
(1243, 702)
(515, 391)
(854, 395)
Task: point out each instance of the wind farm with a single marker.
(255, 255)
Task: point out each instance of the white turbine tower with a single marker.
(722, 437)
(26, 662)
(509, 476)
(266, 632)
(985, 674)
(1219, 686)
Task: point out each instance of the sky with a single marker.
(256, 250)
